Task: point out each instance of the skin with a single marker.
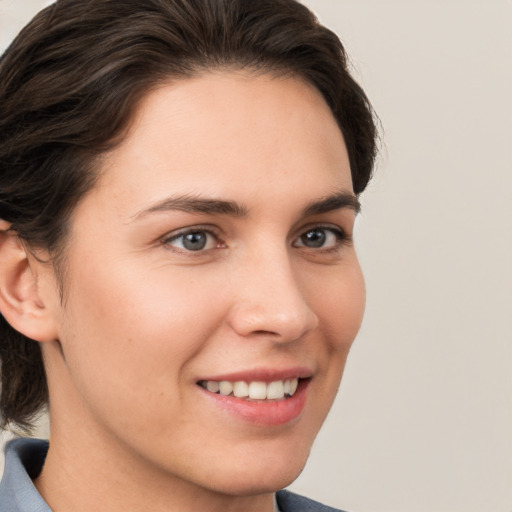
(144, 318)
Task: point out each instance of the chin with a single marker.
(267, 477)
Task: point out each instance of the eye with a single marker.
(193, 240)
(320, 238)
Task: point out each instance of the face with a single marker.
(212, 287)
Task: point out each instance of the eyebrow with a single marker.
(337, 201)
(193, 204)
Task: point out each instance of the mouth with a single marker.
(263, 397)
(261, 391)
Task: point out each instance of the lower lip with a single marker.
(265, 413)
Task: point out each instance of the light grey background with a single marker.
(423, 422)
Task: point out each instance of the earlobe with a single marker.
(20, 301)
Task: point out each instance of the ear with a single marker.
(20, 299)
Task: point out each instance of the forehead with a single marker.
(226, 131)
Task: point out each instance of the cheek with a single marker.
(337, 295)
(340, 307)
(128, 330)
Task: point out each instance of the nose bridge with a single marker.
(270, 299)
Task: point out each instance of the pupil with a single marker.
(194, 241)
(315, 238)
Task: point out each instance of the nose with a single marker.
(270, 301)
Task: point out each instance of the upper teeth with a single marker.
(255, 390)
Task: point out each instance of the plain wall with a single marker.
(423, 422)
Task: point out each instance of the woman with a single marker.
(178, 186)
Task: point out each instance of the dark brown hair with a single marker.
(69, 84)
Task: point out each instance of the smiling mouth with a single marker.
(255, 390)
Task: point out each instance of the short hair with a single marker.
(69, 84)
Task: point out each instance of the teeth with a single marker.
(258, 390)
(276, 390)
(213, 386)
(240, 389)
(225, 387)
(293, 386)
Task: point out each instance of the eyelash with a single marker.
(339, 234)
(191, 231)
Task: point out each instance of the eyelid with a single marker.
(341, 235)
(174, 235)
(322, 225)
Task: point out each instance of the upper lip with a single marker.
(262, 375)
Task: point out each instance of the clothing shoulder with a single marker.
(23, 461)
(290, 502)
